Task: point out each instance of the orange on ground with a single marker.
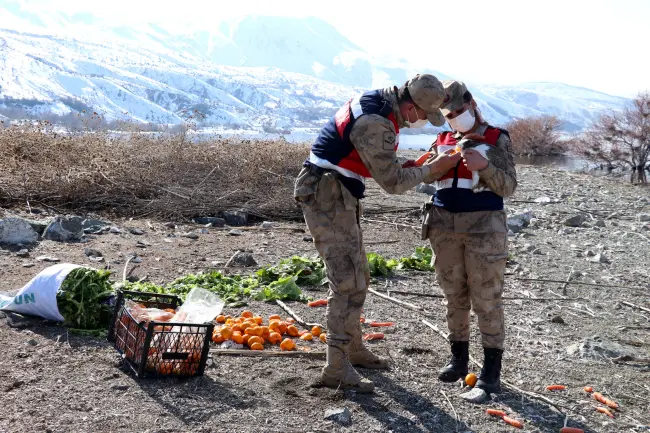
(290, 320)
(237, 337)
(255, 339)
(292, 331)
(275, 338)
(247, 313)
(236, 327)
(287, 344)
(221, 319)
(274, 326)
(226, 333)
(471, 379)
(245, 339)
(217, 338)
(257, 346)
(316, 331)
(283, 328)
(258, 320)
(307, 336)
(265, 331)
(323, 337)
(274, 317)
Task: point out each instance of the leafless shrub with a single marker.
(536, 135)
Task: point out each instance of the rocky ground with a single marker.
(566, 226)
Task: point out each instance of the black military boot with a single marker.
(490, 377)
(457, 366)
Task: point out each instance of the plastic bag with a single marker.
(200, 306)
(38, 297)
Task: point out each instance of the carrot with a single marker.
(605, 411)
(604, 400)
(556, 387)
(571, 430)
(318, 303)
(375, 336)
(588, 389)
(362, 319)
(381, 324)
(513, 422)
(422, 159)
(496, 412)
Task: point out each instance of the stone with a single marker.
(528, 248)
(339, 415)
(32, 342)
(242, 258)
(169, 225)
(96, 259)
(23, 253)
(190, 235)
(590, 253)
(600, 223)
(39, 226)
(120, 387)
(558, 319)
(518, 222)
(92, 253)
(210, 221)
(643, 217)
(425, 188)
(136, 231)
(597, 347)
(307, 239)
(235, 218)
(115, 230)
(235, 232)
(266, 225)
(14, 231)
(64, 229)
(476, 396)
(575, 221)
(92, 226)
(28, 265)
(47, 259)
(543, 200)
(599, 258)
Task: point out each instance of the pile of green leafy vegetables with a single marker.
(83, 298)
(420, 260)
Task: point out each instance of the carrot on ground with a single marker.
(604, 400)
(571, 430)
(513, 422)
(375, 336)
(362, 319)
(496, 412)
(318, 303)
(605, 411)
(381, 324)
(556, 387)
(588, 389)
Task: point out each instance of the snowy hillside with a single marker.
(255, 71)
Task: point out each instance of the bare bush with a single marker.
(538, 135)
(155, 174)
(622, 138)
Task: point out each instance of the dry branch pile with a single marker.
(153, 174)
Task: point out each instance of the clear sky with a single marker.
(599, 44)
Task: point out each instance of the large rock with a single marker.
(65, 229)
(598, 348)
(39, 226)
(14, 231)
(644, 217)
(94, 226)
(235, 217)
(519, 221)
(575, 221)
(339, 415)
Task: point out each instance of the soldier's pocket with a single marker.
(328, 192)
(344, 274)
(306, 186)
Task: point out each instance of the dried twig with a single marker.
(396, 301)
(390, 223)
(231, 259)
(568, 278)
(452, 408)
(506, 298)
(543, 280)
(126, 266)
(630, 358)
(267, 353)
(629, 304)
(296, 317)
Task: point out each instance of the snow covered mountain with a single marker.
(271, 72)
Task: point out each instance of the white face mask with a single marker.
(464, 122)
(419, 124)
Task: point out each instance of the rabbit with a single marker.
(494, 154)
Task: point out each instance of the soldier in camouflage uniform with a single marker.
(359, 142)
(468, 233)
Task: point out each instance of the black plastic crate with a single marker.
(156, 349)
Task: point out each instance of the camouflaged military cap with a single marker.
(428, 93)
(455, 96)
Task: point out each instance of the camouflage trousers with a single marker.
(332, 215)
(470, 270)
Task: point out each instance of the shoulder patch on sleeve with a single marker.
(389, 140)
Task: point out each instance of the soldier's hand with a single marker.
(474, 161)
(444, 161)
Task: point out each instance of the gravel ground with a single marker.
(55, 381)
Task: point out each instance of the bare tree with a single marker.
(622, 137)
(539, 135)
